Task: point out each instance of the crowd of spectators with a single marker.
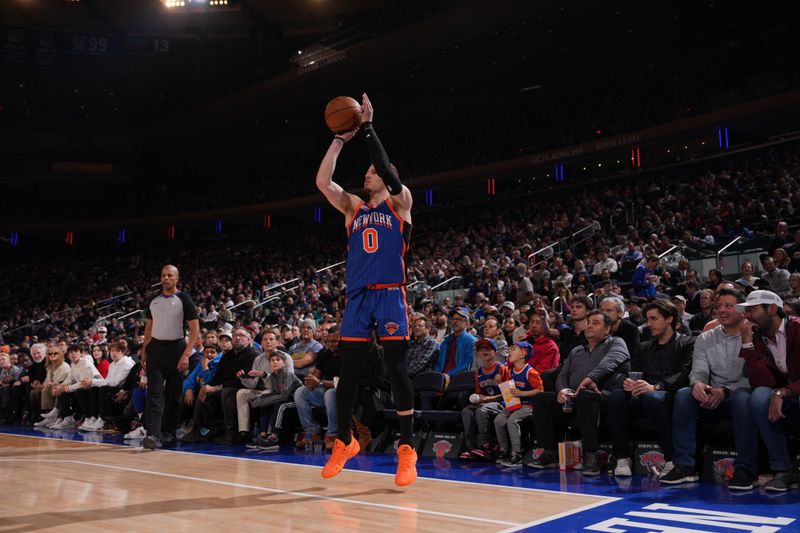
(564, 328)
(485, 246)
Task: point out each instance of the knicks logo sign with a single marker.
(723, 469)
(650, 459)
(392, 327)
(537, 452)
(441, 447)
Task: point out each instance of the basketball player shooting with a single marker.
(378, 233)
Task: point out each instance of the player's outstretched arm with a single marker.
(380, 160)
(338, 197)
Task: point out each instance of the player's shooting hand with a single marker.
(366, 109)
(347, 136)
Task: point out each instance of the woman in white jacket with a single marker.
(73, 396)
(105, 401)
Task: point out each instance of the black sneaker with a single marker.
(227, 438)
(742, 480)
(591, 464)
(546, 460)
(503, 457)
(243, 437)
(269, 444)
(193, 437)
(168, 440)
(514, 461)
(680, 474)
(254, 443)
(783, 481)
(151, 443)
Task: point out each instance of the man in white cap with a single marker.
(508, 308)
(771, 350)
(102, 333)
(679, 301)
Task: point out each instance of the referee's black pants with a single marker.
(163, 386)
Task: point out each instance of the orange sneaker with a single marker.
(406, 466)
(341, 454)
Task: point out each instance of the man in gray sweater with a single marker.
(717, 374)
(590, 372)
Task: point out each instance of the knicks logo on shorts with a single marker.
(392, 327)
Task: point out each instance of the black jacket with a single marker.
(231, 363)
(680, 349)
(628, 332)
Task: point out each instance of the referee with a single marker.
(165, 356)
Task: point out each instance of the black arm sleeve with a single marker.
(381, 161)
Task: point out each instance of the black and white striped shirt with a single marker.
(169, 315)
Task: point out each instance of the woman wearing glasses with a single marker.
(57, 374)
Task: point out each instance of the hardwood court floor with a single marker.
(54, 485)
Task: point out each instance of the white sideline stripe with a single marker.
(271, 490)
(608, 499)
(522, 527)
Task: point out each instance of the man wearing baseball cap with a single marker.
(771, 350)
(679, 301)
(456, 351)
(102, 336)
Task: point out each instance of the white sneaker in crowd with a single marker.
(138, 433)
(45, 422)
(623, 467)
(66, 423)
(95, 424)
(87, 424)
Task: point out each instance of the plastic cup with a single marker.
(570, 403)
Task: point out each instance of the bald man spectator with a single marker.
(781, 237)
(778, 278)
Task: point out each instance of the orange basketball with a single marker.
(342, 114)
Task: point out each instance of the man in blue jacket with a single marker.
(456, 353)
(644, 277)
(199, 376)
(458, 349)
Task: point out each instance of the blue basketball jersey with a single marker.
(526, 379)
(486, 381)
(377, 239)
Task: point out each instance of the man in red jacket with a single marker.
(545, 354)
(771, 350)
